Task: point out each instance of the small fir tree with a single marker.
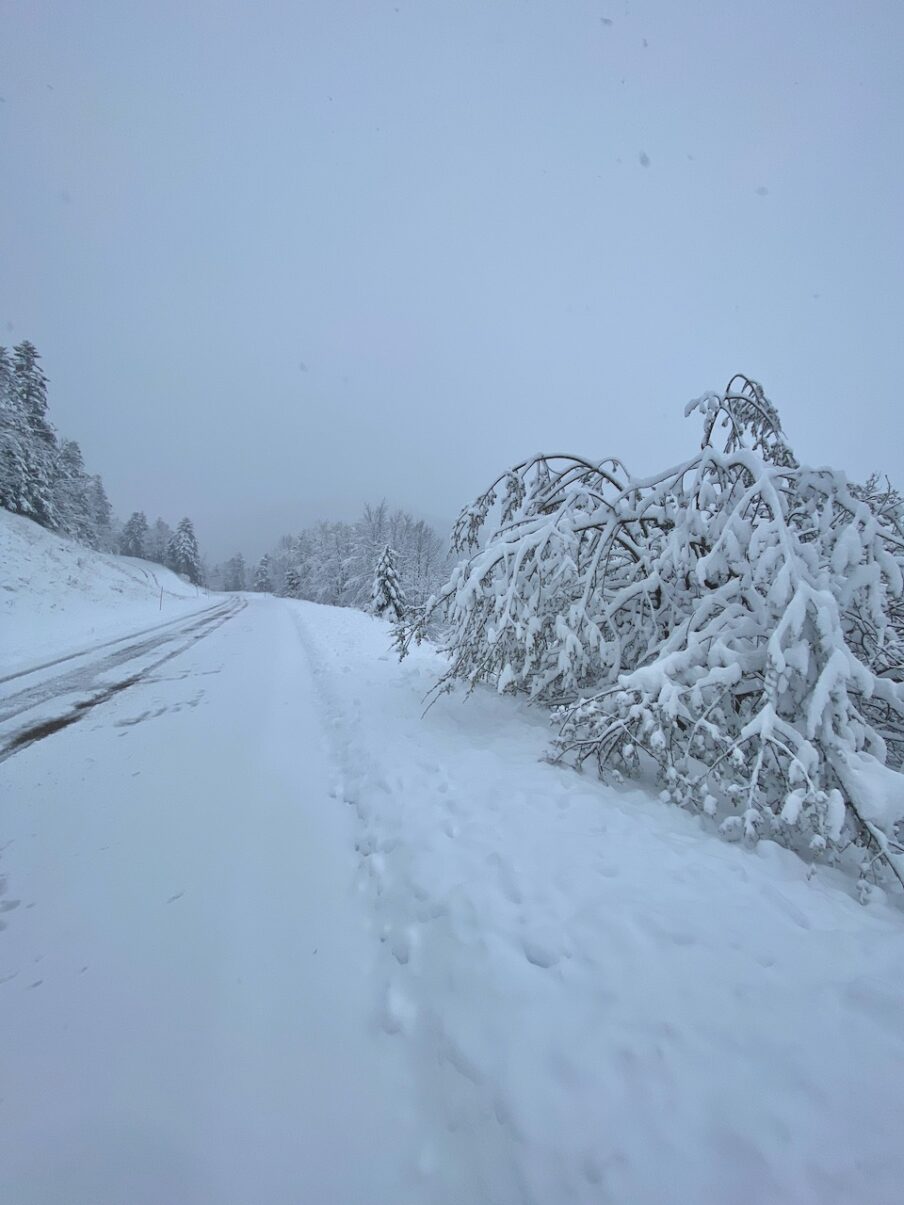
(101, 514)
(158, 540)
(235, 573)
(293, 582)
(134, 536)
(387, 598)
(183, 553)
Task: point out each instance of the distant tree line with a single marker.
(43, 477)
(383, 562)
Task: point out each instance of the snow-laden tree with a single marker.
(158, 540)
(733, 622)
(72, 503)
(28, 446)
(417, 553)
(424, 560)
(183, 555)
(335, 562)
(14, 439)
(292, 582)
(31, 396)
(215, 576)
(133, 538)
(101, 514)
(387, 597)
(235, 575)
(262, 581)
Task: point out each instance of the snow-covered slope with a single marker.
(56, 595)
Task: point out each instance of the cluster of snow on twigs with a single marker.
(735, 622)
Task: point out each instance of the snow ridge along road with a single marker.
(603, 1002)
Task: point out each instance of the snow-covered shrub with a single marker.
(734, 621)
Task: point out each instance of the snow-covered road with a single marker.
(273, 937)
(40, 700)
(187, 978)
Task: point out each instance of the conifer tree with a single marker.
(262, 581)
(134, 536)
(101, 514)
(31, 393)
(158, 540)
(293, 582)
(28, 449)
(235, 578)
(13, 442)
(71, 495)
(387, 598)
(183, 554)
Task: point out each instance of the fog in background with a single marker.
(281, 258)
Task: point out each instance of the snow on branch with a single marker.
(735, 622)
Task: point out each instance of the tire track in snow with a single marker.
(26, 698)
(31, 670)
(69, 683)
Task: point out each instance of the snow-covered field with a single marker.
(56, 595)
(274, 935)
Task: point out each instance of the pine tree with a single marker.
(293, 582)
(101, 514)
(262, 581)
(14, 438)
(235, 577)
(134, 536)
(28, 448)
(387, 597)
(71, 495)
(183, 554)
(31, 393)
(157, 542)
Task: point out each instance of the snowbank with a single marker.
(605, 1001)
(57, 596)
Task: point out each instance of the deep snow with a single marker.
(605, 1002)
(274, 935)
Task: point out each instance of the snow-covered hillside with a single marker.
(57, 595)
(274, 934)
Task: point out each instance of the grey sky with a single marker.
(281, 258)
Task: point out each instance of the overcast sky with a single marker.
(281, 258)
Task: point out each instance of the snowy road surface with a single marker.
(272, 937)
(44, 698)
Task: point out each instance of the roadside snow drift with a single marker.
(56, 595)
(604, 1001)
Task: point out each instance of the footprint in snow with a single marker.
(399, 1013)
(539, 953)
